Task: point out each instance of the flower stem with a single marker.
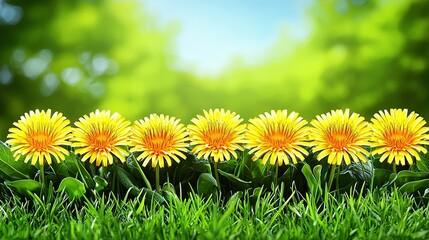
(42, 175)
(338, 180)
(394, 167)
(331, 176)
(216, 174)
(146, 181)
(276, 174)
(114, 180)
(157, 178)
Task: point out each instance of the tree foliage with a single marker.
(74, 56)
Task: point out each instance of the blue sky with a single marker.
(212, 33)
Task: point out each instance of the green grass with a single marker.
(357, 215)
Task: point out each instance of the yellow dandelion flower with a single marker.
(159, 139)
(277, 137)
(398, 136)
(339, 136)
(38, 135)
(100, 135)
(217, 134)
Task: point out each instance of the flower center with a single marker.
(339, 140)
(159, 144)
(40, 141)
(397, 140)
(277, 140)
(216, 139)
(102, 142)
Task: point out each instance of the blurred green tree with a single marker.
(377, 54)
(75, 56)
(365, 55)
(63, 54)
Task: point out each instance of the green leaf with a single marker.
(66, 168)
(381, 176)
(168, 194)
(132, 165)
(9, 168)
(84, 174)
(206, 184)
(286, 177)
(201, 166)
(312, 182)
(405, 176)
(359, 171)
(59, 170)
(74, 188)
(423, 164)
(414, 186)
(70, 165)
(152, 195)
(100, 183)
(168, 187)
(317, 172)
(308, 174)
(23, 186)
(127, 180)
(228, 166)
(258, 170)
(235, 180)
(193, 164)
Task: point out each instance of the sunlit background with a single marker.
(180, 57)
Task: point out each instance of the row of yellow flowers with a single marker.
(278, 137)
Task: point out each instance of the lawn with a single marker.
(356, 215)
